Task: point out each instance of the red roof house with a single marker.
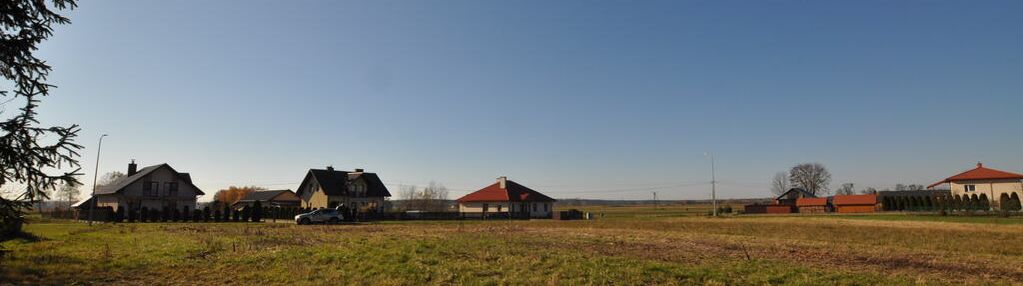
(507, 198)
(979, 173)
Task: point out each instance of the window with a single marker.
(172, 189)
(970, 188)
(151, 189)
(486, 207)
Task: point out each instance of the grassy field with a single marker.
(629, 245)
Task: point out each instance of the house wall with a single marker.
(317, 199)
(506, 207)
(992, 188)
(132, 195)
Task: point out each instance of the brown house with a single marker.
(855, 203)
(329, 188)
(276, 198)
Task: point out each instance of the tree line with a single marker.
(816, 179)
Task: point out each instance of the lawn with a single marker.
(630, 245)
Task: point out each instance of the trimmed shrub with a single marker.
(196, 215)
(119, 215)
(257, 211)
(206, 214)
(217, 217)
(246, 213)
(132, 215)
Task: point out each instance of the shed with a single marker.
(855, 203)
(812, 205)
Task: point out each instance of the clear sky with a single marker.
(587, 99)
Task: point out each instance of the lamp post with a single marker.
(95, 177)
(713, 185)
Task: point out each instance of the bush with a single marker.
(119, 215)
(132, 215)
(246, 213)
(235, 216)
(196, 215)
(216, 216)
(206, 214)
(257, 211)
(144, 214)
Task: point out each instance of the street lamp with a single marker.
(95, 176)
(713, 185)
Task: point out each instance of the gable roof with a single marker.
(513, 192)
(263, 195)
(335, 183)
(979, 173)
(811, 202)
(844, 200)
(805, 193)
(119, 184)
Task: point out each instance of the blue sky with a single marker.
(589, 99)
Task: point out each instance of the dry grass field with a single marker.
(629, 245)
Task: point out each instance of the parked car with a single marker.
(320, 216)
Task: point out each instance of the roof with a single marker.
(811, 202)
(263, 195)
(84, 203)
(513, 192)
(118, 185)
(805, 193)
(335, 182)
(845, 200)
(979, 173)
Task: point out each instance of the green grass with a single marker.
(633, 245)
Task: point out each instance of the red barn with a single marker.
(812, 205)
(855, 203)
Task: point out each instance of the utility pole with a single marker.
(95, 176)
(655, 200)
(713, 185)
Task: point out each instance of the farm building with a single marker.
(768, 208)
(982, 186)
(789, 197)
(506, 198)
(855, 203)
(812, 205)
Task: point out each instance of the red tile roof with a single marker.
(513, 192)
(979, 173)
(811, 202)
(845, 200)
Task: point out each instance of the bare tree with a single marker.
(846, 189)
(68, 194)
(431, 198)
(812, 177)
(780, 183)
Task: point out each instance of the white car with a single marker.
(320, 216)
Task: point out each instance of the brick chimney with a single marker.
(359, 170)
(132, 168)
(502, 182)
(330, 168)
(980, 165)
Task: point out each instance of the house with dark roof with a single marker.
(507, 198)
(982, 183)
(153, 187)
(329, 188)
(273, 198)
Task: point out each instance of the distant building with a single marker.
(153, 187)
(275, 198)
(812, 205)
(506, 198)
(981, 183)
(855, 203)
(329, 188)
